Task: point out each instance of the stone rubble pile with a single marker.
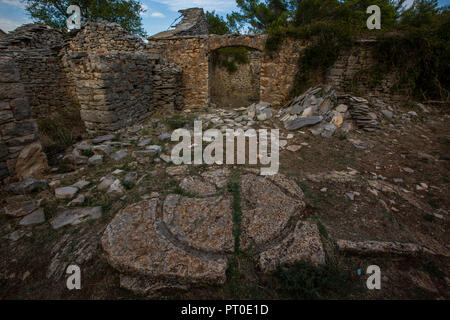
(326, 111)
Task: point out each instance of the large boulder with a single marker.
(31, 162)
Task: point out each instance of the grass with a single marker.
(234, 188)
(305, 281)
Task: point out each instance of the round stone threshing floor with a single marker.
(182, 240)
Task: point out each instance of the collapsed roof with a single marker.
(193, 23)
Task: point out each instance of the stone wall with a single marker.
(118, 83)
(192, 55)
(36, 51)
(119, 89)
(20, 151)
(350, 73)
(239, 88)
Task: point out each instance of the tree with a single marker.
(54, 12)
(216, 24)
(260, 15)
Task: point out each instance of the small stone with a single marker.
(66, 192)
(104, 138)
(350, 195)
(36, 217)
(164, 136)
(166, 158)
(131, 177)
(176, 171)
(95, 160)
(323, 190)
(342, 108)
(80, 199)
(105, 183)
(116, 189)
(76, 216)
(294, 148)
(27, 186)
(154, 149)
(302, 122)
(412, 113)
(119, 155)
(388, 114)
(81, 184)
(145, 142)
(408, 170)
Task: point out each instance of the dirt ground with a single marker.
(417, 151)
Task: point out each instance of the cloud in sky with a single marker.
(16, 3)
(157, 15)
(9, 25)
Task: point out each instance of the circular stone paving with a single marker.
(184, 240)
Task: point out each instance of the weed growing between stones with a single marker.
(235, 190)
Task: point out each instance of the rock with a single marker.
(195, 185)
(328, 130)
(324, 190)
(154, 149)
(218, 177)
(268, 205)
(342, 108)
(378, 247)
(347, 126)
(408, 170)
(166, 158)
(204, 224)
(350, 195)
(164, 136)
(145, 142)
(116, 189)
(135, 242)
(31, 162)
(412, 113)
(20, 209)
(337, 120)
(104, 138)
(76, 216)
(66, 192)
(119, 155)
(80, 199)
(388, 114)
(308, 112)
(303, 244)
(28, 185)
(131, 177)
(105, 183)
(81, 184)
(176, 171)
(36, 217)
(95, 160)
(16, 235)
(302, 122)
(106, 149)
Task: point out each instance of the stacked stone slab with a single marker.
(20, 151)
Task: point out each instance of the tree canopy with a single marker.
(54, 12)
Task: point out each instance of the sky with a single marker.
(159, 15)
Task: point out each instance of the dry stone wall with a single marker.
(238, 88)
(20, 151)
(118, 83)
(36, 51)
(192, 54)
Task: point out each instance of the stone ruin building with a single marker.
(119, 79)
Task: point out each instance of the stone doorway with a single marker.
(234, 76)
